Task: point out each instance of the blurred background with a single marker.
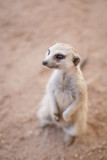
(27, 29)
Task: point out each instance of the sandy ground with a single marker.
(27, 29)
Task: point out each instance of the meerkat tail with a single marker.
(84, 62)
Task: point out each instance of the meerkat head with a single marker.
(61, 56)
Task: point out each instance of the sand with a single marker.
(27, 29)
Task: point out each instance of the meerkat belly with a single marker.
(63, 98)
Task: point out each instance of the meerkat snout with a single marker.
(44, 63)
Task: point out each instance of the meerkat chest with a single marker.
(63, 98)
(64, 92)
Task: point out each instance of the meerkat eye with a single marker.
(59, 56)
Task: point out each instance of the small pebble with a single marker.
(100, 147)
(101, 157)
(3, 141)
(29, 133)
(99, 150)
(89, 154)
(81, 158)
(76, 155)
(38, 132)
(22, 138)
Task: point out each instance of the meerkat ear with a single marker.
(76, 60)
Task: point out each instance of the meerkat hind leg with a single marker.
(44, 123)
(45, 119)
(45, 116)
(70, 134)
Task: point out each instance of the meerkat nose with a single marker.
(44, 63)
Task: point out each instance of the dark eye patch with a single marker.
(48, 51)
(59, 56)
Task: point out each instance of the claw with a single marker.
(56, 117)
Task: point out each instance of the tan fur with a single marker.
(65, 101)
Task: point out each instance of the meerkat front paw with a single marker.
(66, 116)
(55, 117)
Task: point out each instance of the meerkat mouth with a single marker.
(53, 66)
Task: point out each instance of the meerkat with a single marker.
(65, 101)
